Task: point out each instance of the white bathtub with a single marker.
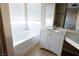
(26, 41)
(73, 39)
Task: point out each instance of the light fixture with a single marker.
(74, 4)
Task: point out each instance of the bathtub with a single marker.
(24, 41)
(73, 39)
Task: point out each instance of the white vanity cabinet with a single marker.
(56, 42)
(44, 39)
(52, 40)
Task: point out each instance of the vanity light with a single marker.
(74, 4)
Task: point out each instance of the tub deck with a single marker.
(73, 39)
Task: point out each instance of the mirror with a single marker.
(66, 16)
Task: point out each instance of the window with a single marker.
(17, 15)
(34, 17)
(50, 11)
(18, 20)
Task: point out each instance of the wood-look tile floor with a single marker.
(36, 51)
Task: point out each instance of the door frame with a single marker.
(5, 30)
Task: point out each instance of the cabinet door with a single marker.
(56, 43)
(44, 40)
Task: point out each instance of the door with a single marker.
(5, 31)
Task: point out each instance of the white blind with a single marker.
(17, 11)
(17, 16)
(50, 12)
(33, 11)
(34, 16)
